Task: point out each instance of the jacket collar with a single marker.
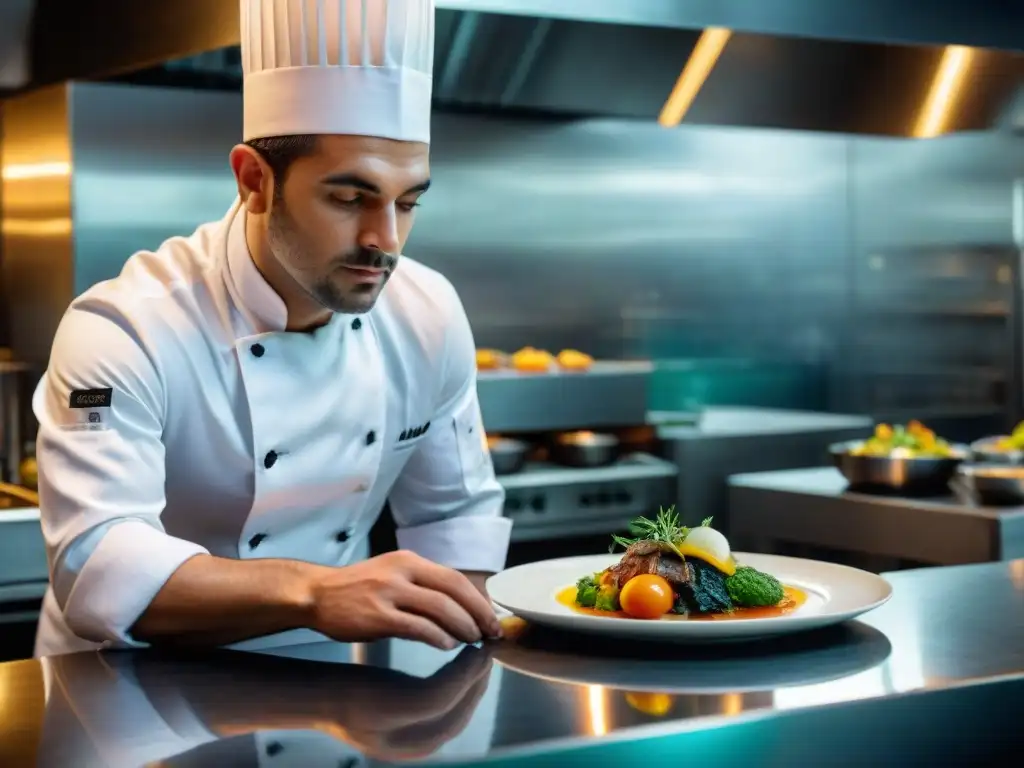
(256, 300)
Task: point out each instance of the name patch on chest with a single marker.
(413, 432)
(91, 398)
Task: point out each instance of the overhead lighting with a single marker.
(19, 171)
(944, 91)
(705, 54)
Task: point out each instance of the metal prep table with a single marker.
(812, 507)
(943, 661)
(729, 440)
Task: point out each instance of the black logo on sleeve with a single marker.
(91, 398)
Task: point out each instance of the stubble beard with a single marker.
(284, 242)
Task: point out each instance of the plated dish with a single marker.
(910, 458)
(669, 571)
(1001, 449)
(712, 593)
(913, 441)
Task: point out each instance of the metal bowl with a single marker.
(907, 475)
(994, 484)
(986, 452)
(507, 455)
(584, 449)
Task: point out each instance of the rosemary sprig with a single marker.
(664, 528)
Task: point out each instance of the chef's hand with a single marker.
(400, 594)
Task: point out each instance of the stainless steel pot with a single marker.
(507, 455)
(584, 449)
(910, 475)
(994, 484)
(986, 451)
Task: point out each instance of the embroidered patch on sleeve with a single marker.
(91, 398)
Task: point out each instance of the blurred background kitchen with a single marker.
(771, 228)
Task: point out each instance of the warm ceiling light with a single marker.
(18, 171)
(691, 79)
(944, 91)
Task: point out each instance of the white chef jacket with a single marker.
(177, 417)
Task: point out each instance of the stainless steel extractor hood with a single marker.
(629, 70)
(872, 66)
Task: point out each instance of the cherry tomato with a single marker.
(646, 597)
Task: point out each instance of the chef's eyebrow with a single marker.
(357, 181)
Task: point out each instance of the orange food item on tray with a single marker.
(530, 360)
(489, 359)
(572, 360)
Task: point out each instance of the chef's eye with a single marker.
(345, 202)
(407, 207)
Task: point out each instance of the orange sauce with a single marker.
(792, 599)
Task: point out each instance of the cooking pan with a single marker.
(987, 451)
(584, 449)
(909, 475)
(994, 484)
(507, 455)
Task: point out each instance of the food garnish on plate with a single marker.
(671, 571)
(913, 441)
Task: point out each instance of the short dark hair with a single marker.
(280, 152)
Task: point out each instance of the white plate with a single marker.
(835, 593)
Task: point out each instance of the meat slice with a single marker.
(647, 557)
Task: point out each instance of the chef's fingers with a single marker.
(410, 626)
(459, 588)
(440, 609)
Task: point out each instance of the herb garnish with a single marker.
(665, 529)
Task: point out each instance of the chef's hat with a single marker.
(361, 67)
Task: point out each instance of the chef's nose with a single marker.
(380, 229)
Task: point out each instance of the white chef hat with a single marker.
(361, 67)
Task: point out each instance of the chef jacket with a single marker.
(178, 417)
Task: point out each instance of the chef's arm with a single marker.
(101, 486)
(447, 503)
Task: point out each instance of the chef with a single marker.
(222, 423)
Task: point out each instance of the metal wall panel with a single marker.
(616, 237)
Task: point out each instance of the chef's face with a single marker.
(340, 219)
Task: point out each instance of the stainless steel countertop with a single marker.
(813, 506)
(945, 630)
(723, 421)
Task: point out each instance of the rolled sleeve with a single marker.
(101, 477)
(447, 503)
(120, 578)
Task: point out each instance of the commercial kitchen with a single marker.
(763, 234)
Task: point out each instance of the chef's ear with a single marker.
(254, 177)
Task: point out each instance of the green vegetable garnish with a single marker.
(751, 588)
(607, 598)
(664, 529)
(586, 592)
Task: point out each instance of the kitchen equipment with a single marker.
(909, 475)
(993, 484)
(584, 449)
(507, 455)
(13, 383)
(986, 451)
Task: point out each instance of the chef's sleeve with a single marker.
(101, 409)
(447, 503)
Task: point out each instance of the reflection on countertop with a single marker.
(945, 630)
